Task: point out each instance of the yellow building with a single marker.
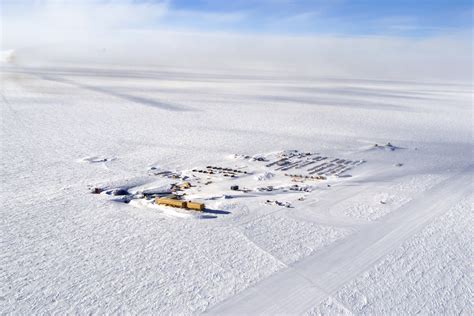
(171, 202)
(196, 206)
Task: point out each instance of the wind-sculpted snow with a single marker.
(350, 239)
(387, 197)
(290, 240)
(310, 281)
(124, 262)
(429, 274)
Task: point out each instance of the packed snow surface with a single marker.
(427, 274)
(389, 236)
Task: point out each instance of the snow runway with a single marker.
(309, 282)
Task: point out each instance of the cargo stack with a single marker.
(196, 206)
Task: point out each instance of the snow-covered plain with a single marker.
(393, 238)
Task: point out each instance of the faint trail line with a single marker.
(15, 113)
(124, 96)
(292, 291)
(261, 248)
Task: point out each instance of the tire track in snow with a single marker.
(293, 290)
(324, 214)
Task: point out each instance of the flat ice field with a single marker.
(340, 227)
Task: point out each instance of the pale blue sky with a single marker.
(406, 18)
(335, 17)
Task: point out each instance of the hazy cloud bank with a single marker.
(137, 33)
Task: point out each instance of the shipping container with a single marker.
(196, 206)
(171, 202)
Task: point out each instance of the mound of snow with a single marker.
(264, 176)
(162, 210)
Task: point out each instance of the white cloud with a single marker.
(78, 18)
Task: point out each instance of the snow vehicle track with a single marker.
(310, 281)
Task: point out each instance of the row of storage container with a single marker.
(197, 206)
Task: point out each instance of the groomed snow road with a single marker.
(307, 283)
